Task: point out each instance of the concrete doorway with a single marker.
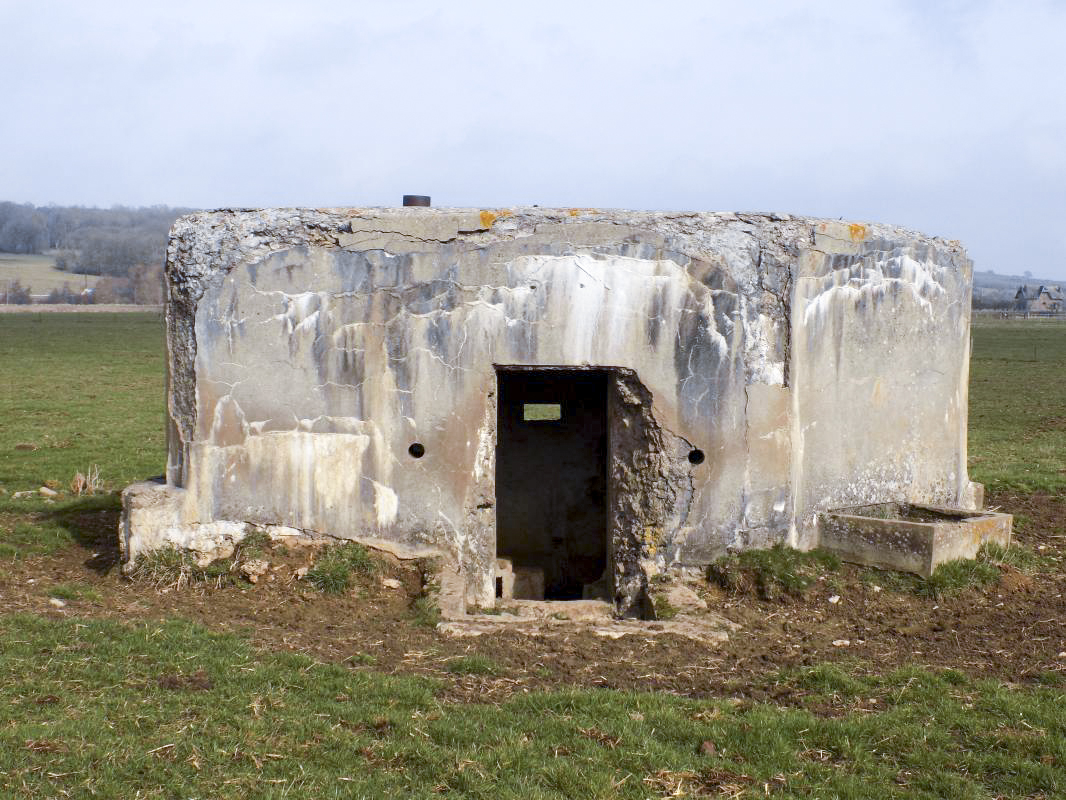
(551, 484)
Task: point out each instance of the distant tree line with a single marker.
(125, 246)
(997, 299)
(15, 294)
(91, 241)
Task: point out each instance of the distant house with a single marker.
(1046, 300)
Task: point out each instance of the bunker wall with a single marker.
(881, 363)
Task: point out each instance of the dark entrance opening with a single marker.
(551, 482)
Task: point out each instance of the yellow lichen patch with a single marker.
(857, 231)
(487, 218)
(653, 536)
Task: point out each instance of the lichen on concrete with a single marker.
(651, 488)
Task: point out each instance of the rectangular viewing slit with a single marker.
(542, 412)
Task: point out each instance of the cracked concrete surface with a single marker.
(815, 364)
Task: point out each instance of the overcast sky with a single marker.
(948, 117)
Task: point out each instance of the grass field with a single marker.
(78, 390)
(159, 709)
(38, 273)
(1018, 405)
(174, 711)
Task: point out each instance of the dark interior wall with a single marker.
(551, 477)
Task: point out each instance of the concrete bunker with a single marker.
(374, 374)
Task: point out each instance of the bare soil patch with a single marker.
(1012, 631)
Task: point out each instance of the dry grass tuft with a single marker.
(87, 482)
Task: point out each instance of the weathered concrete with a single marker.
(911, 538)
(335, 372)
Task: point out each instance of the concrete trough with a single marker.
(910, 538)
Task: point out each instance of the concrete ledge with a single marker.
(910, 538)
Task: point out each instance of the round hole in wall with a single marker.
(696, 456)
(417, 450)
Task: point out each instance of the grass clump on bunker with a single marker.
(333, 569)
(172, 567)
(771, 574)
(780, 572)
(993, 562)
(993, 565)
(663, 608)
(425, 609)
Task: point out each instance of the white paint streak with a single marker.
(483, 459)
(386, 504)
(763, 364)
(872, 281)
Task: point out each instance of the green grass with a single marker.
(983, 571)
(335, 566)
(772, 573)
(31, 538)
(1017, 556)
(29, 528)
(171, 710)
(1018, 405)
(73, 591)
(79, 389)
(956, 576)
(76, 390)
(175, 568)
(780, 571)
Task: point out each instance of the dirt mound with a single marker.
(1012, 630)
